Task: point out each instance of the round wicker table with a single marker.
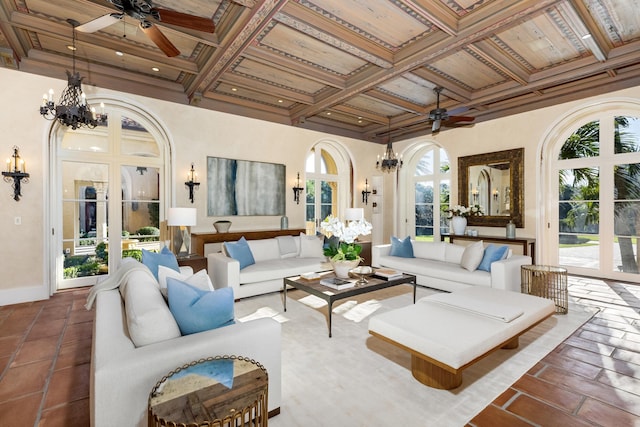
(222, 391)
(547, 282)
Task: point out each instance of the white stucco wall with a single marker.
(197, 133)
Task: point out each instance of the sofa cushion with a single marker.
(438, 269)
(264, 249)
(240, 251)
(311, 246)
(401, 248)
(472, 256)
(279, 268)
(453, 253)
(196, 310)
(287, 246)
(492, 253)
(152, 260)
(430, 250)
(200, 280)
(149, 320)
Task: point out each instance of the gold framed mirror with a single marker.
(495, 182)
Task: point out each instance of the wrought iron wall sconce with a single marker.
(366, 192)
(297, 190)
(192, 181)
(496, 194)
(16, 173)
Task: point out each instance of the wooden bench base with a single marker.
(443, 378)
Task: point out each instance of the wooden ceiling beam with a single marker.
(437, 13)
(218, 63)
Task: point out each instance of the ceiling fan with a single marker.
(439, 116)
(146, 13)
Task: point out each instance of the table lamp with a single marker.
(354, 214)
(181, 219)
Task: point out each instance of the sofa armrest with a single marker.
(224, 271)
(505, 274)
(378, 251)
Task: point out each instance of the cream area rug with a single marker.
(354, 379)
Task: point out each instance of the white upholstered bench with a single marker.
(445, 333)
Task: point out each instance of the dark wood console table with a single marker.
(198, 240)
(528, 244)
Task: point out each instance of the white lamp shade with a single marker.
(354, 214)
(181, 216)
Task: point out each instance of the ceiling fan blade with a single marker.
(185, 20)
(435, 127)
(100, 23)
(455, 119)
(160, 40)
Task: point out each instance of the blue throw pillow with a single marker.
(401, 248)
(240, 251)
(153, 259)
(492, 253)
(197, 310)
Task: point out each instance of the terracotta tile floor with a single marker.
(593, 378)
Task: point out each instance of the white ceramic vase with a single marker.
(342, 268)
(459, 224)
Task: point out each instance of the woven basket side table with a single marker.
(223, 391)
(547, 282)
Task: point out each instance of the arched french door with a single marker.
(426, 176)
(592, 200)
(327, 184)
(108, 188)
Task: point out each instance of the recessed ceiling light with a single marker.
(280, 101)
(234, 89)
(359, 121)
(70, 47)
(119, 53)
(328, 113)
(156, 69)
(586, 36)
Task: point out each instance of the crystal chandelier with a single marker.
(72, 109)
(389, 161)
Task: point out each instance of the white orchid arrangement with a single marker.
(346, 249)
(459, 210)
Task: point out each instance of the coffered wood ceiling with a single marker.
(349, 67)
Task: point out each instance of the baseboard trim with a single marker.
(25, 294)
(274, 412)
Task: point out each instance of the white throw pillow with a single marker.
(472, 256)
(199, 280)
(311, 246)
(148, 317)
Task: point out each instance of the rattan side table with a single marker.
(222, 391)
(547, 282)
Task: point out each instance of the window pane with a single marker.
(140, 210)
(136, 141)
(84, 223)
(579, 184)
(445, 166)
(425, 165)
(80, 140)
(585, 142)
(627, 134)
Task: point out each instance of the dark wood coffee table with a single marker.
(331, 295)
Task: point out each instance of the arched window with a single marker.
(328, 182)
(108, 189)
(593, 212)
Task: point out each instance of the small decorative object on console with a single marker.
(222, 226)
(310, 276)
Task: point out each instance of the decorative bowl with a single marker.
(222, 226)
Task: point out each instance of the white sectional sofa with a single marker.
(273, 262)
(123, 374)
(437, 265)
